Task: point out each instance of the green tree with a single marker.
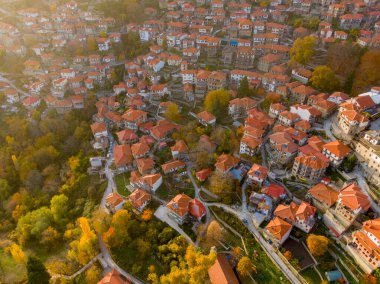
(349, 163)
(324, 79)
(216, 102)
(303, 50)
(59, 208)
(37, 273)
(244, 89)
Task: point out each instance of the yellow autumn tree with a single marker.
(317, 244)
(17, 254)
(303, 50)
(172, 112)
(245, 266)
(216, 102)
(147, 215)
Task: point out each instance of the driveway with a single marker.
(162, 214)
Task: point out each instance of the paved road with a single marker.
(3, 79)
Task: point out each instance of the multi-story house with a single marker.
(249, 145)
(323, 196)
(288, 118)
(275, 109)
(352, 122)
(216, 80)
(283, 148)
(306, 112)
(133, 118)
(122, 157)
(351, 203)
(181, 207)
(366, 245)
(309, 168)
(239, 107)
(301, 216)
(367, 149)
(245, 57)
(278, 231)
(336, 151)
(257, 174)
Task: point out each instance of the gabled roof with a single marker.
(114, 277)
(221, 271)
(324, 194)
(122, 155)
(352, 197)
(225, 161)
(98, 127)
(206, 116)
(139, 197)
(180, 146)
(258, 171)
(274, 190)
(114, 199)
(139, 149)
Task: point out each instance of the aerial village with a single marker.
(256, 119)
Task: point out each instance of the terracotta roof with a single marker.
(365, 102)
(203, 174)
(114, 199)
(167, 167)
(293, 211)
(354, 116)
(221, 271)
(145, 164)
(278, 228)
(373, 227)
(126, 135)
(180, 146)
(150, 179)
(258, 171)
(337, 148)
(316, 142)
(206, 116)
(139, 197)
(312, 162)
(274, 190)
(302, 124)
(139, 149)
(324, 194)
(122, 155)
(352, 197)
(251, 142)
(98, 127)
(196, 208)
(133, 115)
(224, 162)
(179, 204)
(114, 277)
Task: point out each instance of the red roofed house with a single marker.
(182, 206)
(352, 122)
(278, 231)
(336, 151)
(221, 271)
(202, 175)
(173, 166)
(127, 136)
(301, 216)
(206, 118)
(257, 174)
(366, 243)
(224, 163)
(310, 168)
(180, 150)
(139, 199)
(275, 191)
(114, 202)
(351, 203)
(323, 196)
(122, 157)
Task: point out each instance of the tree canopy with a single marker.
(324, 79)
(317, 244)
(367, 74)
(216, 102)
(303, 50)
(37, 273)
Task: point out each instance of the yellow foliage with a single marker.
(17, 253)
(317, 245)
(245, 266)
(147, 215)
(85, 226)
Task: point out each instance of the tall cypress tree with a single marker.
(37, 273)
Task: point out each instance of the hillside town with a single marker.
(229, 141)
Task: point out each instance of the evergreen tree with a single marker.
(37, 273)
(244, 90)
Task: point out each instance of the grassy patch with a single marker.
(267, 271)
(346, 273)
(311, 276)
(121, 181)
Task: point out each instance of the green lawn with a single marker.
(121, 181)
(311, 276)
(267, 271)
(347, 274)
